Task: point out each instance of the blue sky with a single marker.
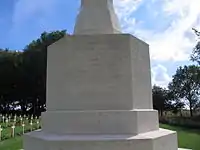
(164, 24)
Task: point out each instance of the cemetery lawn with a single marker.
(11, 144)
(187, 138)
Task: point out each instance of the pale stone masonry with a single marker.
(97, 17)
(99, 90)
(99, 72)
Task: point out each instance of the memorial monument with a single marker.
(99, 90)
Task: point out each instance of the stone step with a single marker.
(156, 140)
(100, 121)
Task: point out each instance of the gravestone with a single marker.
(99, 90)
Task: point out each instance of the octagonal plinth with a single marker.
(100, 122)
(98, 72)
(156, 140)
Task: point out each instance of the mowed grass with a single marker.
(187, 138)
(7, 130)
(9, 143)
(12, 144)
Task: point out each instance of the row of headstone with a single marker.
(23, 125)
(9, 118)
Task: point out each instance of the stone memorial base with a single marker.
(99, 97)
(154, 140)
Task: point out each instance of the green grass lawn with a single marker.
(187, 138)
(7, 130)
(11, 144)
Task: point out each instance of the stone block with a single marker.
(100, 122)
(98, 72)
(156, 140)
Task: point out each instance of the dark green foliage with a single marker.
(188, 122)
(196, 51)
(23, 76)
(185, 86)
(161, 100)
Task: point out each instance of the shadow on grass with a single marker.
(187, 137)
(178, 128)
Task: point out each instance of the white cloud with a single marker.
(160, 76)
(175, 42)
(172, 43)
(126, 7)
(124, 10)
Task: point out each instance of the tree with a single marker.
(176, 104)
(161, 101)
(195, 56)
(34, 67)
(185, 85)
(9, 74)
(23, 75)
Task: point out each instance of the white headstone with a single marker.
(13, 130)
(7, 122)
(31, 124)
(38, 124)
(15, 119)
(23, 127)
(3, 118)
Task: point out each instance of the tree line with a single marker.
(23, 76)
(184, 89)
(23, 80)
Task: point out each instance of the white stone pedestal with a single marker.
(99, 97)
(155, 140)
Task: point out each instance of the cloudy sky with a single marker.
(164, 24)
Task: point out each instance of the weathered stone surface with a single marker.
(100, 122)
(99, 90)
(155, 140)
(97, 17)
(101, 72)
